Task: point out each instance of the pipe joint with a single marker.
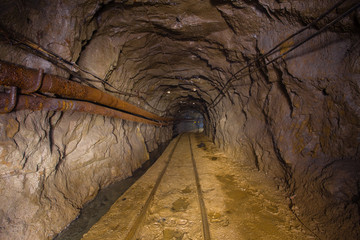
(36, 83)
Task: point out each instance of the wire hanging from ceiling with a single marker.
(272, 51)
(72, 68)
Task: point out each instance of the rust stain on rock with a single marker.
(12, 128)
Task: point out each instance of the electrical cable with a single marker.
(302, 42)
(271, 51)
(71, 67)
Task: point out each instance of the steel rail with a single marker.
(131, 234)
(204, 219)
(26, 78)
(37, 103)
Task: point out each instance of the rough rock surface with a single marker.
(298, 119)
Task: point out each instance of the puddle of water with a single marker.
(186, 190)
(236, 194)
(180, 205)
(171, 234)
(227, 180)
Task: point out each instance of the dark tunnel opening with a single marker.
(189, 120)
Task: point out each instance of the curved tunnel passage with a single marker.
(295, 119)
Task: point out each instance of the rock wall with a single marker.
(53, 163)
(299, 121)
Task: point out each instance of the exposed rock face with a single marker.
(51, 167)
(298, 119)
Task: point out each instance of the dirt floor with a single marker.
(239, 202)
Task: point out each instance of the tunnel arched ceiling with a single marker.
(170, 52)
(164, 48)
(166, 52)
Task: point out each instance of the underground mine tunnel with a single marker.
(260, 99)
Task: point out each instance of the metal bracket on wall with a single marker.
(10, 101)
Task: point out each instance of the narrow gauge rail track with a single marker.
(194, 191)
(140, 219)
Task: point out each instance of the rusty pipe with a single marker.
(25, 78)
(37, 103)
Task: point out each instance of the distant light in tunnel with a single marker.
(193, 103)
(194, 89)
(168, 92)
